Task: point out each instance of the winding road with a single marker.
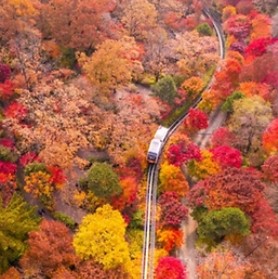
(150, 211)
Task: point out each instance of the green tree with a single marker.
(101, 236)
(17, 219)
(217, 224)
(204, 29)
(165, 89)
(103, 181)
(228, 104)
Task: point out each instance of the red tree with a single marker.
(231, 188)
(227, 156)
(169, 267)
(181, 153)
(238, 26)
(196, 120)
(264, 219)
(173, 212)
(258, 47)
(222, 136)
(270, 169)
(16, 110)
(5, 72)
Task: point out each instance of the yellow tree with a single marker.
(204, 168)
(111, 65)
(138, 23)
(172, 179)
(101, 236)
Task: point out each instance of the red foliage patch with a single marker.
(57, 175)
(196, 119)
(270, 169)
(181, 153)
(28, 158)
(170, 267)
(6, 89)
(227, 156)
(173, 212)
(16, 110)
(7, 167)
(222, 136)
(258, 47)
(9, 143)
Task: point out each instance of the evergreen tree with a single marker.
(16, 220)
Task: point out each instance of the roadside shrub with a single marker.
(165, 89)
(204, 29)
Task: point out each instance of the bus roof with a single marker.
(161, 133)
(155, 146)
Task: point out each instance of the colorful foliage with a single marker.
(11, 273)
(215, 225)
(173, 212)
(7, 167)
(230, 188)
(270, 169)
(270, 139)
(136, 23)
(193, 85)
(90, 269)
(261, 27)
(5, 72)
(265, 220)
(170, 239)
(7, 142)
(28, 158)
(196, 120)
(49, 249)
(221, 264)
(77, 25)
(228, 12)
(180, 153)
(129, 194)
(39, 184)
(228, 104)
(6, 89)
(16, 110)
(259, 46)
(101, 236)
(57, 176)
(172, 179)
(238, 26)
(227, 156)
(165, 89)
(17, 219)
(170, 267)
(222, 136)
(254, 88)
(103, 181)
(205, 167)
(113, 63)
(7, 186)
(249, 119)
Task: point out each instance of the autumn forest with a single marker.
(85, 84)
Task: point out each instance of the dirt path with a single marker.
(187, 252)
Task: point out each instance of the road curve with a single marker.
(150, 211)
